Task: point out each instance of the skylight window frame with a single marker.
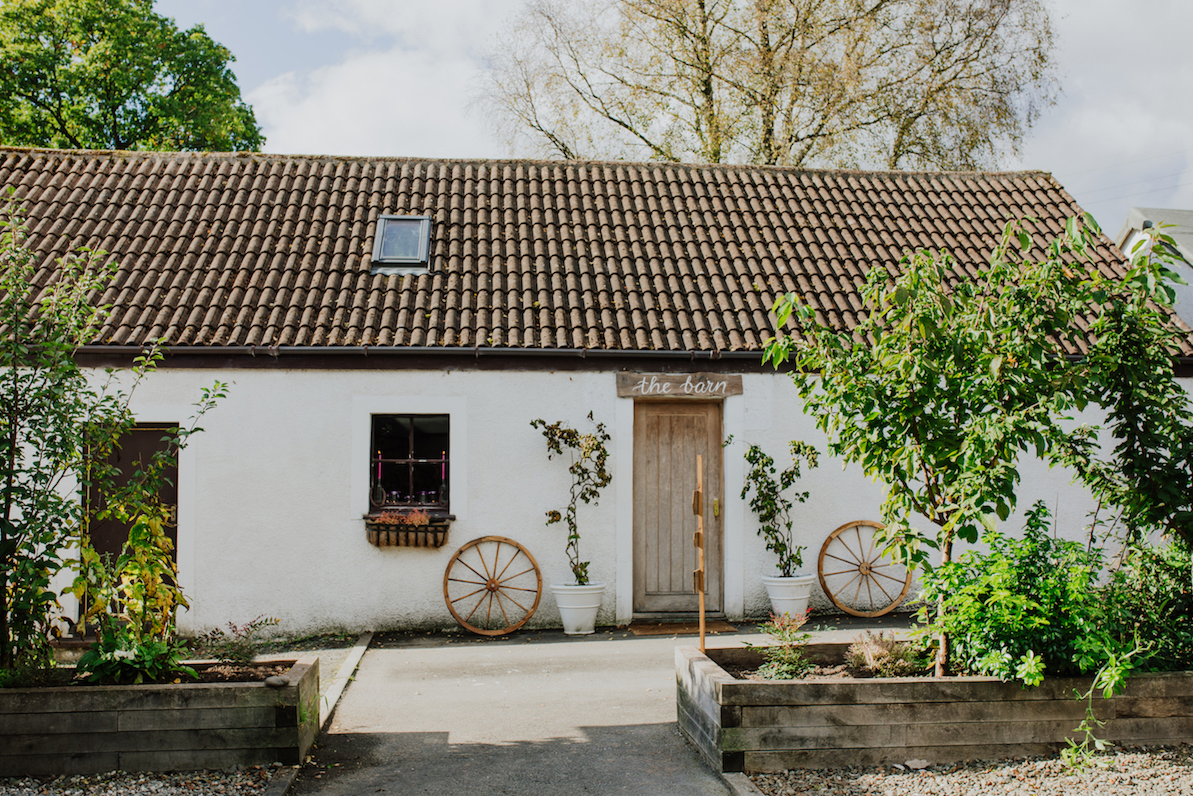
(403, 265)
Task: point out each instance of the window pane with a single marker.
(430, 437)
(395, 481)
(401, 238)
(428, 483)
(391, 436)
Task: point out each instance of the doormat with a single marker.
(679, 628)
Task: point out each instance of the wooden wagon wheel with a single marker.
(492, 586)
(859, 580)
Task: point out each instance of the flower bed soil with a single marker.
(775, 725)
(207, 673)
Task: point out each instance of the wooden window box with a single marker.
(433, 534)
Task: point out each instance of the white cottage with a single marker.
(390, 327)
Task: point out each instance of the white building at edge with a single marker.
(367, 372)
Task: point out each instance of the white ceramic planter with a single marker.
(788, 595)
(578, 606)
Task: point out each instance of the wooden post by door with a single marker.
(668, 436)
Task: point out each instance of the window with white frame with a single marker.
(408, 462)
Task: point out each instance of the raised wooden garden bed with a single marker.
(89, 729)
(774, 725)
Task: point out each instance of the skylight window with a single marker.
(403, 243)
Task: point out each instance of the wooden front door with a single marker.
(667, 438)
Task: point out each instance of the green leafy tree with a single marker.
(948, 380)
(1148, 478)
(951, 378)
(112, 74)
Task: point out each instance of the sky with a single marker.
(399, 77)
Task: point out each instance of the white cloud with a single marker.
(1121, 134)
(404, 91)
(391, 102)
(442, 25)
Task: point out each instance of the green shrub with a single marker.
(119, 657)
(1150, 599)
(1027, 608)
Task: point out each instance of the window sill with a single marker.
(386, 534)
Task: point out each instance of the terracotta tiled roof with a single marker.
(272, 250)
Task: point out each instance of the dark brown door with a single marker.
(139, 445)
(667, 439)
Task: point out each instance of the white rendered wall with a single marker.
(272, 493)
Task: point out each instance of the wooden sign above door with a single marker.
(678, 385)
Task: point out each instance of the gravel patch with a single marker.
(251, 781)
(1122, 772)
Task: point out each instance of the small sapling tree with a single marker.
(57, 429)
(590, 474)
(46, 404)
(772, 506)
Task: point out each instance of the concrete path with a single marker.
(536, 715)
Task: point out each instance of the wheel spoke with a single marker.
(840, 572)
(511, 577)
(869, 593)
(857, 529)
(889, 577)
(478, 605)
(512, 600)
(508, 564)
(484, 578)
(873, 536)
(857, 595)
(518, 588)
(461, 580)
(856, 558)
(845, 585)
(481, 555)
(501, 607)
(842, 560)
(466, 596)
(889, 598)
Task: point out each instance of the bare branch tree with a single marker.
(950, 84)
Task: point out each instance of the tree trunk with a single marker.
(767, 154)
(942, 653)
(5, 644)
